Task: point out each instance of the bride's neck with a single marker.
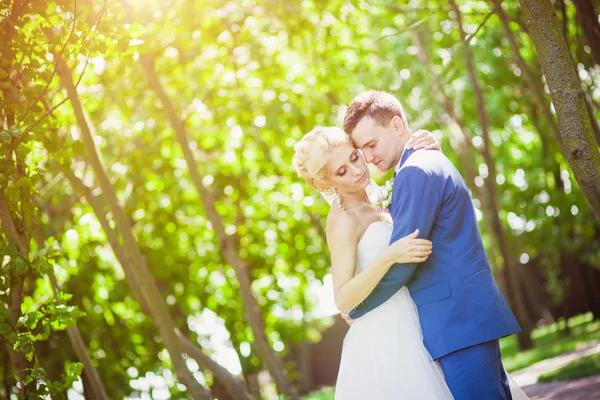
(351, 200)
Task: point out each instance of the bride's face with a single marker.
(347, 169)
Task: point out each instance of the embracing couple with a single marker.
(426, 313)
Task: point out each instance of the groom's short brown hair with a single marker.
(379, 106)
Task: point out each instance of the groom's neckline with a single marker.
(405, 154)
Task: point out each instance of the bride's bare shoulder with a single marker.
(341, 224)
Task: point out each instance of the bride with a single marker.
(383, 356)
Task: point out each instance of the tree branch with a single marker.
(62, 49)
(58, 65)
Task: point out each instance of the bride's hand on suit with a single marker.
(423, 139)
(410, 249)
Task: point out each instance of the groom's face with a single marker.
(381, 145)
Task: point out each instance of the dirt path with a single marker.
(580, 389)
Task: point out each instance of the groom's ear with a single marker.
(398, 125)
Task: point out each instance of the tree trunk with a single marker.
(19, 362)
(595, 32)
(136, 272)
(94, 388)
(564, 21)
(568, 98)
(20, 240)
(234, 385)
(588, 19)
(510, 264)
(593, 121)
(535, 293)
(249, 371)
(592, 283)
(229, 247)
(6, 389)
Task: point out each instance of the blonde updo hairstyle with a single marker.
(313, 152)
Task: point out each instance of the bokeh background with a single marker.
(157, 243)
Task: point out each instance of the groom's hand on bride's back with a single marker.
(422, 139)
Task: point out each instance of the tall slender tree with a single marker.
(567, 96)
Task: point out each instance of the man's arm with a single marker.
(416, 203)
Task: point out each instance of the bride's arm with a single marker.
(342, 239)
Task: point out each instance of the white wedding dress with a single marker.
(383, 357)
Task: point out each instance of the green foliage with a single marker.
(249, 80)
(324, 394)
(58, 388)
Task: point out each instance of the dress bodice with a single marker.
(375, 240)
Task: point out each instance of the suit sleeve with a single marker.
(416, 203)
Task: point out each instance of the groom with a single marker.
(461, 310)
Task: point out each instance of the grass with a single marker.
(582, 368)
(324, 394)
(550, 341)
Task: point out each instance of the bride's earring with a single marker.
(338, 199)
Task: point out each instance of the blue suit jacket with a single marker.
(458, 299)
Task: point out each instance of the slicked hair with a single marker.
(381, 107)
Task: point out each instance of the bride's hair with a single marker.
(313, 152)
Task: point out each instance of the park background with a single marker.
(155, 240)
